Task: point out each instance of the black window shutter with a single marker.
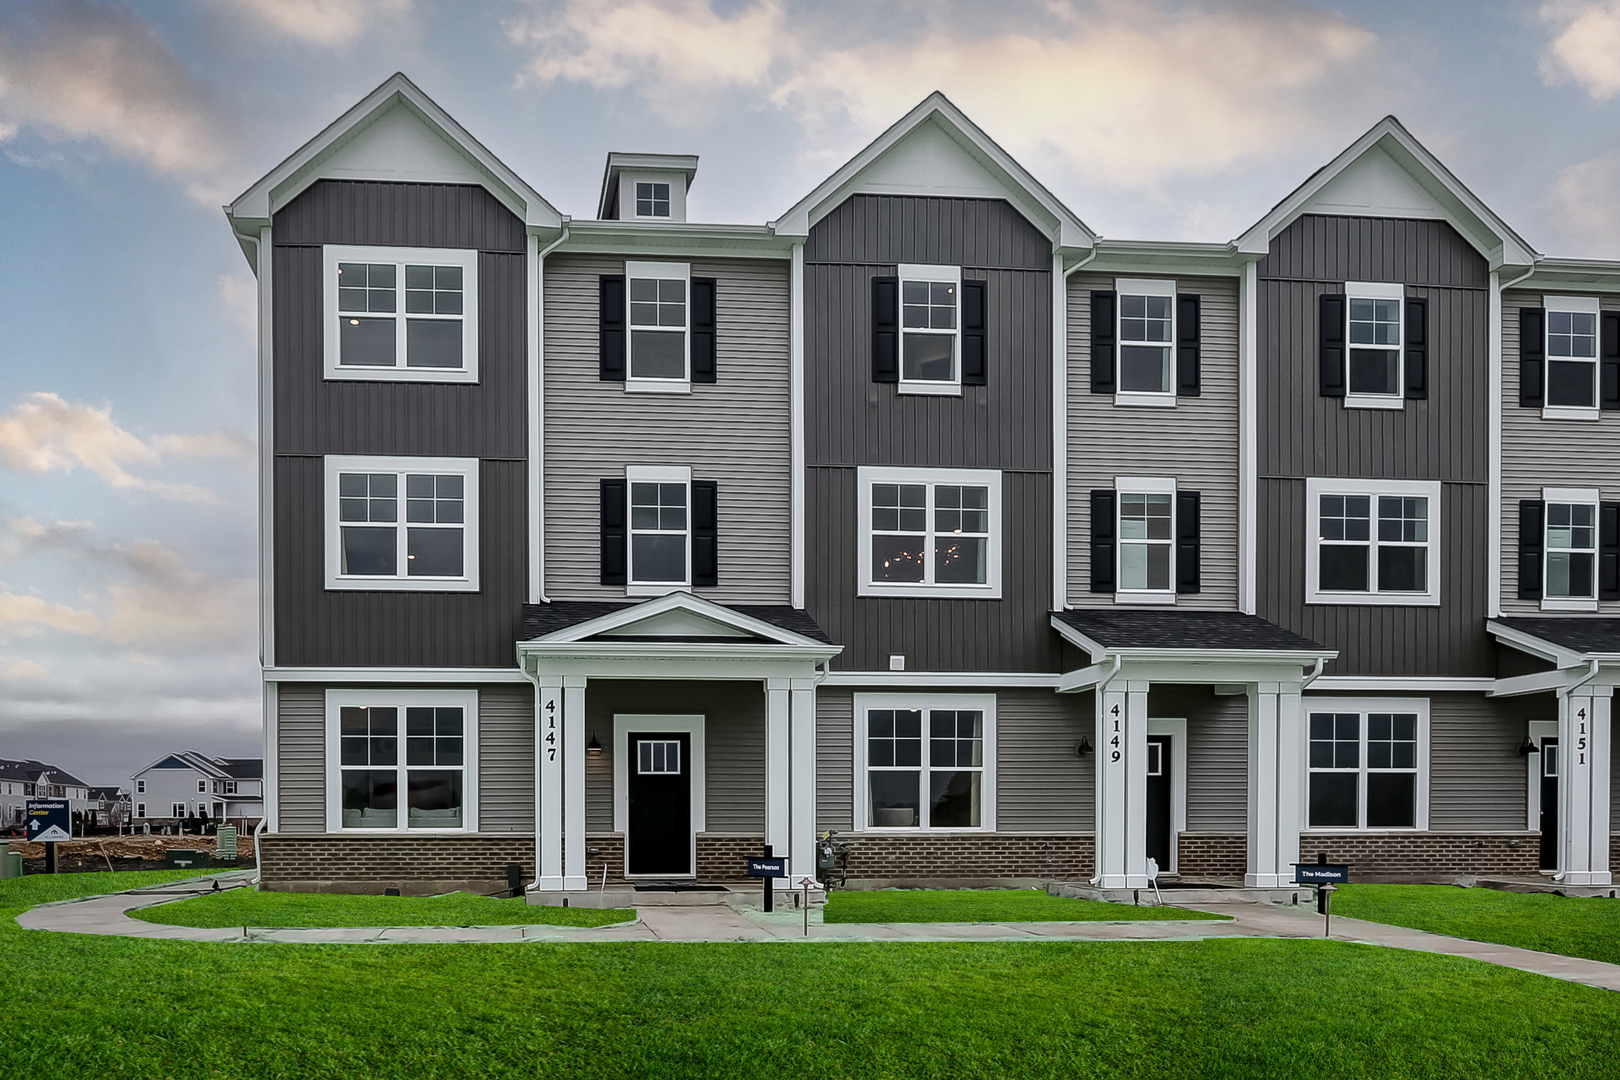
(705, 534)
(613, 532)
(703, 329)
(1610, 398)
(1417, 349)
(1103, 528)
(1531, 538)
(1102, 350)
(1189, 548)
(1188, 378)
(1330, 330)
(886, 329)
(1609, 551)
(1532, 354)
(973, 333)
(610, 319)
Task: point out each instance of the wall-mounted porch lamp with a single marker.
(1528, 747)
(593, 748)
(1084, 748)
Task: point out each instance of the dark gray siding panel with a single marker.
(1217, 753)
(911, 229)
(506, 758)
(317, 628)
(301, 757)
(1374, 640)
(1010, 634)
(835, 760)
(1331, 248)
(403, 214)
(1477, 779)
(1041, 785)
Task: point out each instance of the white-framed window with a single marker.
(140, 787)
(925, 762)
(140, 809)
(1146, 507)
(1147, 335)
(179, 810)
(930, 329)
(658, 757)
(228, 787)
(658, 296)
(660, 528)
(401, 313)
(401, 760)
(1569, 570)
(202, 787)
(1366, 763)
(1374, 371)
(1373, 542)
(930, 532)
(402, 523)
(1572, 357)
(652, 198)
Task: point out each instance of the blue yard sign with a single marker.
(1321, 873)
(49, 820)
(767, 867)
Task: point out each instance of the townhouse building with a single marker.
(190, 784)
(22, 779)
(618, 547)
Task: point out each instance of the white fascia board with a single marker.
(663, 239)
(1403, 683)
(301, 168)
(635, 613)
(1168, 258)
(925, 679)
(1538, 647)
(1584, 275)
(392, 676)
(671, 660)
(1489, 234)
(1100, 652)
(1024, 191)
(1094, 649)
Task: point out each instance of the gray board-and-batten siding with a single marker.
(1445, 437)
(505, 758)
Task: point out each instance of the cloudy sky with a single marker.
(126, 363)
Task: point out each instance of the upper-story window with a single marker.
(652, 199)
(1147, 332)
(401, 313)
(402, 523)
(660, 527)
(1570, 554)
(930, 328)
(930, 532)
(657, 295)
(1572, 353)
(1374, 370)
(1373, 542)
(1147, 556)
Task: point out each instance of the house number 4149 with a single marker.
(1113, 754)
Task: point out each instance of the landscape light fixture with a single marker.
(593, 748)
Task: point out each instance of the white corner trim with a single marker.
(1493, 499)
(983, 703)
(267, 450)
(467, 468)
(387, 696)
(270, 784)
(1060, 436)
(535, 297)
(796, 393)
(1248, 459)
(331, 317)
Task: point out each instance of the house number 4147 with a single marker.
(551, 729)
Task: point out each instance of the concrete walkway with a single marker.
(722, 923)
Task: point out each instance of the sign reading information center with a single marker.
(49, 821)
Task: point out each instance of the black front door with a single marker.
(1549, 804)
(660, 790)
(1158, 801)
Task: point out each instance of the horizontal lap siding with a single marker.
(734, 432)
(835, 759)
(1196, 442)
(1010, 634)
(301, 758)
(1217, 780)
(1539, 453)
(506, 759)
(1041, 783)
(1477, 778)
(317, 627)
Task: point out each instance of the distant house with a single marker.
(192, 784)
(24, 779)
(109, 806)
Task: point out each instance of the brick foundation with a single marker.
(720, 857)
(1212, 855)
(1427, 856)
(416, 865)
(1010, 858)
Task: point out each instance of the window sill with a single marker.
(655, 590)
(402, 584)
(1374, 599)
(1569, 605)
(1384, 830)
(657, 386)
(1571, 412)
(1144, 399)
(915, 830)
(400, 832)
(935, 389)
(932, 592)
(1161, 598)
(355, 373)
(1395, 403)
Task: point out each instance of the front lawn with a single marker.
(986, 905)
(1570, 926)
(1222, 1009)
(249, 907)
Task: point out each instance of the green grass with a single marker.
(986, 905)
(1570, 926)
(31, 889)
(116, 1008)
(249, 907)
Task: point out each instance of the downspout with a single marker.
(1315, 674)
(537, 443)
(1097, 816)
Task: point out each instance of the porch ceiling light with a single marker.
(1528, 747)
(593, 747)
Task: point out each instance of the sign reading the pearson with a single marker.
(49, 821)
(767, 867)
(1321, 873)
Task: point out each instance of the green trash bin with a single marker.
(181, 859)
(10, 865)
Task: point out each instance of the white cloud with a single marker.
(1123, 91)
(45, 434)
(172, 606)
(17, 667)
(30, 615)
(1586, 48)
(328, 23)
(239, 290)
(1584, 207)
(97, 72)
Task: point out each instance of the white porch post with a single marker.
(1122, 785)
(1583, 785)
(802, 839)
(573, 755)
(548, 824)
(1275, 802)
(778, 771)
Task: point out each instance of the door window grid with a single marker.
(1375, 347)
(1363, 776)
(658, 533)
(1571, 358)
(1571, 551)
(657, 757)
(1146, 540)
(898, 774)
(1549, 757)
(1146, 331)
(1155, 759)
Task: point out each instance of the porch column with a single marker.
(1275, 801)
(1583, 785)
(778, 771)
(573, 755)
(1122, 722)
(802, 841)
(548, 817)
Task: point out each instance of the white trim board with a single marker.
(393, 676)
(931, 679)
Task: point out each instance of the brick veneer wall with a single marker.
(416, 865)
(1426, 855)
(991, 857)
(1212, 855)
(725, 858)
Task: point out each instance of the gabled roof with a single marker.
(1388, 173)
(396, 132)
(617, 162)
(217, 768)
(30, 771)
(1102, 631)
(1566, 641)
(675, 617)
(936, 150)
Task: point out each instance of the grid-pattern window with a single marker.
(652, 199)
(928, 325)
(1375, 347)
(1346, 536)
(431, 539)
(1571, 356)
(1371, 545)
(902, 540)
(179, 810)
(658, 532)
(1146, 540)
(1363, 770)
(373, 772)
(925, 768)
(658, 320)
(370, 330)
(658, 757)
(1403, 538)
(1571, 551)
(1146, 330)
